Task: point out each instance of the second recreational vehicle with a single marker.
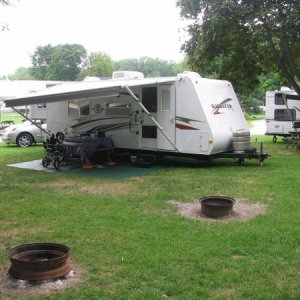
(16, 88)
(282, 113)
(184, 115)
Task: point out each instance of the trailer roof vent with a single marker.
(91, 78)
(127, 75)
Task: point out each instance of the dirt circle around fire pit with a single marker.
(11, 288)
(242, 210)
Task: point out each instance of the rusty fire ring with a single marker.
(39, 261)
(216, 206)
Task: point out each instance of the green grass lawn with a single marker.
(255, 117)
(12, 116)
(251, 118)
(129, 243)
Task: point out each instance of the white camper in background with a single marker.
(282, 113)
(38, 111)
(16, 88)
(184, 115)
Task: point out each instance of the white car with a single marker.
(25, 134)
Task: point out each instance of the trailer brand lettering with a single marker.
(223, 105)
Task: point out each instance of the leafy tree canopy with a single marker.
(98, 64)
(240, 39)
(22, 74)
(61, 62)
(70, 62)
(256, 97)
(150, 67)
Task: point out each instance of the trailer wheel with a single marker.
(241, 161)
(274, 139)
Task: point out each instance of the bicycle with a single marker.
(54, 151)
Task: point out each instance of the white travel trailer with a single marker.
(38, 111)
(282, 113)
(184, 115)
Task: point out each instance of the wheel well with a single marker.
(25, 132)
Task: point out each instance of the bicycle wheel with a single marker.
(56, 163)
(45, 162)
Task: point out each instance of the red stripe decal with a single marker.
(185, 127)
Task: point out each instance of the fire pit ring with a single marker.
(39, 261)
(216, 206)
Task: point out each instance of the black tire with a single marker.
(45, 162)
(274, 139)
(56, 163)
(62, 154)
(24, 140)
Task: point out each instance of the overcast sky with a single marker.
(120, 28)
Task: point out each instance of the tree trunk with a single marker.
(279, 61)
(289, 56)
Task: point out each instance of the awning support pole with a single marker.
(32, 122)
(148, 113)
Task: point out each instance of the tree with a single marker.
(266, 82)
(61, 62)
(150, 67)
(98, 64)
(22, 74)
(41, 60)
(66, 62)
(244, 38)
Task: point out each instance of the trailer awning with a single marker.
(84, 90)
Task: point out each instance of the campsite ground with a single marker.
(128, 242)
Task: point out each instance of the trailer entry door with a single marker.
(149, 129)
(166, 116)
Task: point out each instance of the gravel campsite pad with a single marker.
(10, 287)
(242, 210)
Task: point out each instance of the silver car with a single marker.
(25, 134)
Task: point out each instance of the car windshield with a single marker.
(33, 122)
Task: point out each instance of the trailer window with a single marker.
(118, 109)
(79, 108)
(118, 104)
(41, 105)
(149, 132)
(149, 98)
(279, 99)
(165, 100)
(284, 115)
